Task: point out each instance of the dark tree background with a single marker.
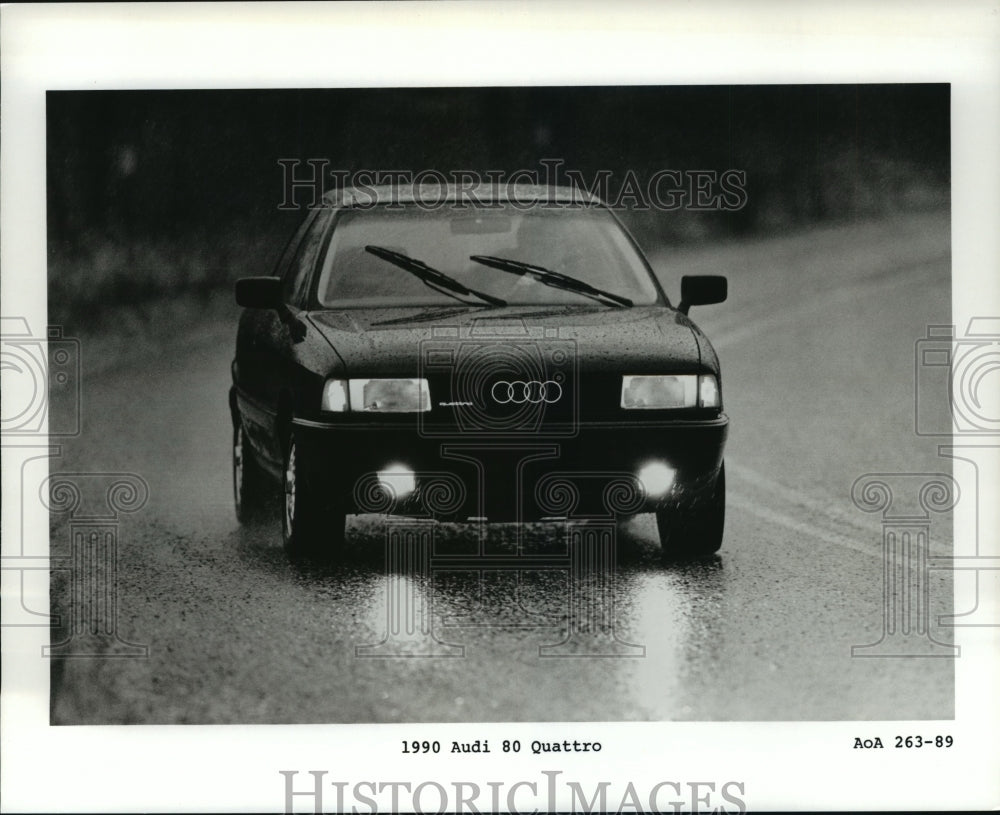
(152, 194)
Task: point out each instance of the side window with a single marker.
(296, 279)
(281, 268)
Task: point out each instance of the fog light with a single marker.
(398, 479)
(656, 478)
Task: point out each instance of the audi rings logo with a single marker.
(531, 392)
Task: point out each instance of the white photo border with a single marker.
(263, 45)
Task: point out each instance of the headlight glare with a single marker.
(656, 478)
(398, 479)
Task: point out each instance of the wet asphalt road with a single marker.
(816, 344)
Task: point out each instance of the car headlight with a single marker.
(708, 391)
(665, 392)
(335, 395)
(376, 395)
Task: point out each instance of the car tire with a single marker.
(698, 533)
(311, 526)
(250, 485)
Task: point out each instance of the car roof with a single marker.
(470, 194)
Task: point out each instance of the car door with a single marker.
(266, 339)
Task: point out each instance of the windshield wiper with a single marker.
(436, 280)
(440, 312)
(557, 280)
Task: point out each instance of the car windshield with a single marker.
(369, 259)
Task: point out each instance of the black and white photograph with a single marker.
(516, 429)
(489, 383)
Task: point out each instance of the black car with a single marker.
(462, 354)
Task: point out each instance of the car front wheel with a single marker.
(697, 533)
(312, 523)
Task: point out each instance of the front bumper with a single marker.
(594, 474)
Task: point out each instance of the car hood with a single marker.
(391, 341)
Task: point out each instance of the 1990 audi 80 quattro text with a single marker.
(482, 354)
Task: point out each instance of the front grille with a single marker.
(501, 387)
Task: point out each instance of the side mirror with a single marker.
(259, 292)
(702, 290)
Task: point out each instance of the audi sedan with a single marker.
(475, 355)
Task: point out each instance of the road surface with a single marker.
(817, 348)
